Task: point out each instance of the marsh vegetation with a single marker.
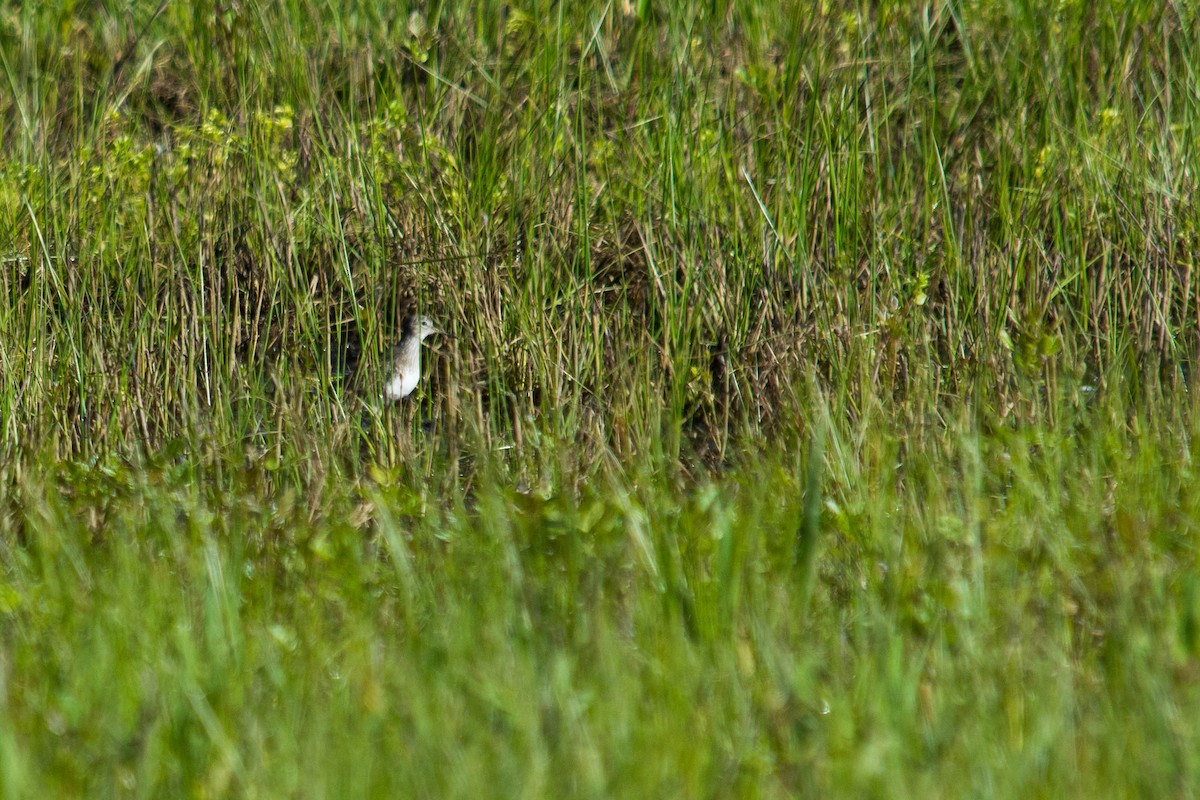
(819, 417)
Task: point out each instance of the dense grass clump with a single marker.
(819, 417)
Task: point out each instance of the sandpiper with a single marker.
(406, 357)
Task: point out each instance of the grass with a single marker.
(819, 418)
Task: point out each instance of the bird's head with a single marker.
(419, 327)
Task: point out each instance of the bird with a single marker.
(406, 356)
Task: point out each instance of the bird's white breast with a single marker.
(401, 385)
